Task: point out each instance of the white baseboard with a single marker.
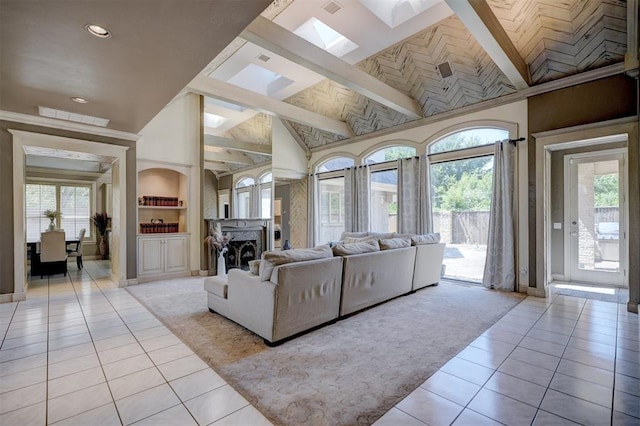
(13, 297)
(536, 292)
(168, 276)
(557, 277)
(203, 273)
(632, 307)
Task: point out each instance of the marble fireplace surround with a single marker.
(243, 230)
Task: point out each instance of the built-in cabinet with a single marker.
(163, 237)
(162, 254)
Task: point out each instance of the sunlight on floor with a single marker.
(590, 289)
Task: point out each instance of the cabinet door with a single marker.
(176, 249)
(150, 256)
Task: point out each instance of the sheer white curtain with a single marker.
(356, 198)
(254, 201)
(312, 202)
(500, 267)
(414, 212)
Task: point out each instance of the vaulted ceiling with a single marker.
(440, 66)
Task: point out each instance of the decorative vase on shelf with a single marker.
(221, 269)
(286, 245)
(52, 225)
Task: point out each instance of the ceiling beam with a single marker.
(215, 166)
(483, 24)
(227, 157)
(237, 145)
(207, 86)
(279, 40)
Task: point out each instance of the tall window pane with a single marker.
(265, 203)
(384, 201)
(331, 214)
(75, 205)
(461, 200)
(244, 207)
(38, 198)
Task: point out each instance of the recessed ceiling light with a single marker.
(98, 31)
(79, 100)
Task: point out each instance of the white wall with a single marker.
(288, 159)
(173, 137)
(419, 136)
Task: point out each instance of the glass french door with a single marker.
(596, 223)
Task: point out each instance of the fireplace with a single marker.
(248, 239)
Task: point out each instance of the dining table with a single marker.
(34, 253)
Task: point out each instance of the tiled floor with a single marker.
(82, 351)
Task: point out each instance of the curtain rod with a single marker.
(514, 141)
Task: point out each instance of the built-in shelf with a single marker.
(163, 207)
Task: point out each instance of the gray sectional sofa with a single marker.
(297, 290)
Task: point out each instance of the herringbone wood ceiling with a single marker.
(555, 38)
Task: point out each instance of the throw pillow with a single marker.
(254, 267)
(351, 240)
(356, 248)
(394, 243)
(353, 235)
(271, 259)
(431, 238)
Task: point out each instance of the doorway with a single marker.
(595, 217)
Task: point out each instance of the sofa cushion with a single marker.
(381, 235)
(351, 240)
(353, 235)
(216, 285)
(356, 248)
(394, 243)
(254, 267)
(271, 259)
(431, 238)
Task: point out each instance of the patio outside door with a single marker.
(595, 222)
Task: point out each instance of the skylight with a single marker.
(397, 12)
(325, 37)
(212, 120)
(72, 116)
(261, 80)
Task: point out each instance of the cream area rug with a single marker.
(346, 373)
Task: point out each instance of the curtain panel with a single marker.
(414, 202)
(357, 186)
(500, 268)
(312, 202)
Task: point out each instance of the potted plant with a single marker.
(101, 222)
(52, 215)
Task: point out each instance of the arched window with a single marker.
(242, 183)
(336, 163)
(468, 139)
(461, 173)
(389, 154)
(266, 178)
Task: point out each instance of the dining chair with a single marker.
(53, 253)
(77, 253)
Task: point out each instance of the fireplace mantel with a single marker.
(241, 230)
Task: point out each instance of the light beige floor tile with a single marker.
(535, 358)
(471, 418)
(451, 387)
(66, 342)
(544, 418)
(17, 342)
(196, 384)
(119, 353)
(76, 381)
(543, 346)
(32, 415)
(216, 404)
(503, 336)
(22, 351)
(107, 332)
(518, 389)
(143, 325)
(430, 408)
(74, 403)
(586, 372)
(23, 397)
(181, 367)
(149, 333)
(127, 366)
(467, 370)
(159, 342)
(482, 357)
(588, 391)
(146, 403)
(170, 353)
(72, 365)
(249, 416)
(114, 342)
(628, 384)
(177, 415)
(68, 331)
(105, 415)
(135, 382)
(23, 364)
(627, 404)
(575, 409)
(502, 408)
(592, 336)
(594, 359)
(591, 346)
(19, 380)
